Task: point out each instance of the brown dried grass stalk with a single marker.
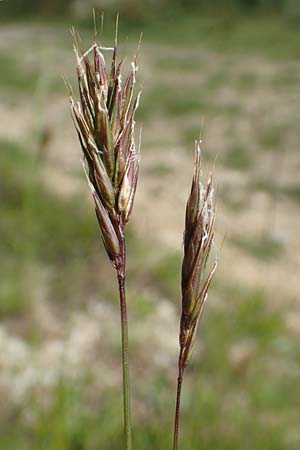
(104, 118)
(196, 277)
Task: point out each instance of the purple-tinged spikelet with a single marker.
(198, 240)
(197, 271)
(104, 118)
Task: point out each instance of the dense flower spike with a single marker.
(196, 276)
(104, 119)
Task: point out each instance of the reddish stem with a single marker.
(178, 398)
(121, 269)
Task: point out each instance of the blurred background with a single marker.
(232, 69)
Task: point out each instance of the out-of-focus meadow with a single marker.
(231, 69)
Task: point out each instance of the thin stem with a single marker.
(178, 398)
(124, 327)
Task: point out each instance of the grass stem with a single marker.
(125, 356)
(178, 398)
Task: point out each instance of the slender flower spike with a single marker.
(197, 273)
(198, 240)
(104, 119)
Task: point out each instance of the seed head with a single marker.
(104, 118)
(198, 240)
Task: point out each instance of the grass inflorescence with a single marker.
(104, 120)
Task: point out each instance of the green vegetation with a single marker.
(247, 81)
(237, 35)
(272, 138)
(237, 390)
(173, 101)
(14, 77)
(292, 191)
(36, 223)
(263, 248)
(189, 135)
(238, 158)
(289, 190)
(240, 339)
(244, 381)
(167, 274)
(37, 228)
